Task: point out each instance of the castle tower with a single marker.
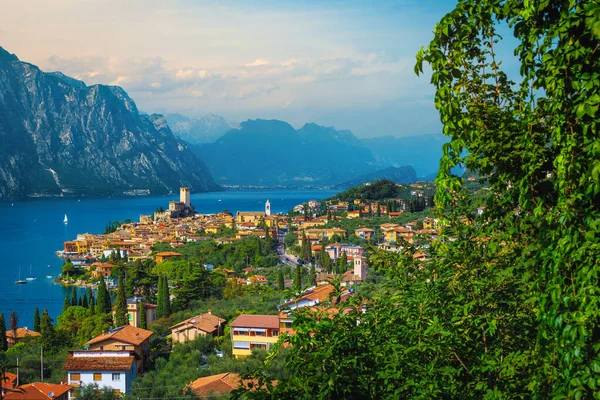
(360, 267)
(184, 196)
(268, 208)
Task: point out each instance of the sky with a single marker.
(348, 64)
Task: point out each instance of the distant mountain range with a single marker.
(403, 175)
(273, 153)
(422, 152)
(198, 130)
(58, 136)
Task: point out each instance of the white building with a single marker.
(268, 208)
(113, 369)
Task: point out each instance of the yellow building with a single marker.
(394, 235)
(134, 313)
(250, 332)
(429, 223)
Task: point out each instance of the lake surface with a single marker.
(32, 230)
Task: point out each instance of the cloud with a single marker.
(258, 63)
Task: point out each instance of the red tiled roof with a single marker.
(21, 333)
(38, 391)
(9, 379)
(127, 334)
(98, 363)
(168, 254)
(221, 384)
(256, 321)
(206, 322)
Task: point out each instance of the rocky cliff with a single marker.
(58, 135)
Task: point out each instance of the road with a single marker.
(285, 258)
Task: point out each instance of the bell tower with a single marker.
(184, 196)
(268, 208)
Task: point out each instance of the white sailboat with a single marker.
(31, 277)
(20, 281)
(66, 220)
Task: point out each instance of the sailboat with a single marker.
(31, 277)
(66, 220)
(20, 281)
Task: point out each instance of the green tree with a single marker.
(67, 302)
(312, 277)
(13, 324)
(3, 342)
(166, 297)
(84, 300)
(73, 296)
(90, 296)
(103, 303)
(36, 320)
(143, 322)
(306, 248)
(160, 306)
(121, 316)
(68, 269)
(280, 280)
(297, 282)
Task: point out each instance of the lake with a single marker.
(32, 230)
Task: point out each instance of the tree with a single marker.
(84, 300)
(160, 307)
(3, 342)
(36, 320)
(297, 282)
(306, 249)
(73, 296)
(90, 296)
(67, 302)
(121, 316)
(312, 277)
(103, 303)
(378, 209)
(143, 322)
(68, 269)
(280, 280)
(166, 297)
(13, 324)
(343, 263)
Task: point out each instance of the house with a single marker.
(353, 214)
(257, 279)
(221, 384)
(364, 233)
(9, 381)
(429, 223)
(166, 255)
(336, 250)
(21, 334)
(103, 270)
(40, 391)
(200, 325)
(134, 312)
(249, 216)
(394, 235)
(125, 338)
(107, 369)
(310, 298)
(250, 332)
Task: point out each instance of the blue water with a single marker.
(32, 230)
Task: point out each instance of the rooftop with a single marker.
(256, 321)
(39, 391)
(127, 334)
(98, 363)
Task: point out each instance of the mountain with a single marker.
(422, 152)
(198, 130)
(273, 153)
(58, 135)
(403, 175)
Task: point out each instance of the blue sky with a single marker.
(347, 64)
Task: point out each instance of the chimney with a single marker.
(209, 312)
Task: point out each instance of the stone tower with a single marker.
(360, 267)
(184, 196)
(268, 208)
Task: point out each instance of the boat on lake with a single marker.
(31, 277)
(66, 220)
(20, 281)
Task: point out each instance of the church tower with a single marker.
(268, 208)
(360, 267)
(184, 196)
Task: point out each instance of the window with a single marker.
(240, 331)
(288, 325)
(241, 345)
(116, 377)
(274, 332)
(76, 377)
(260, 346)
(97, 376)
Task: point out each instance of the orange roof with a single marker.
(9, 379)
(127, 334)
(256, 321)
(21, 333)
(206, 322)
(98, 363)
(39, 391)
(221, 384)
(168, 254)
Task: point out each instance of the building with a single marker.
(134, 313)
(310, 298)
(360, 267)
(221, 385)
(40, 391)
(107, 369)
(166, 255)
(200, 325)
(364, 233)
(125, 338)
(178, 209)
(9, 381)
(102, 270)
(268, 208)
(250, 332)
(249, 216)
(21, 334)
(336, 250)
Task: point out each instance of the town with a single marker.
(145, 279)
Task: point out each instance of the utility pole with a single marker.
(42, 362)
(17, 371)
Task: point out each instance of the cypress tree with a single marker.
(143, 323)
(298, 278)
(84, 300)
(3, 342)
(167, 297)
(92, 306)
(90, 296)
(67, 302)
(160, 308)
(13, 324)
(280, 280)
(378, 209)
(312, 278)
(73, 296)
(36, 320)
(343, 263)
(121, 305)
(103, 301)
